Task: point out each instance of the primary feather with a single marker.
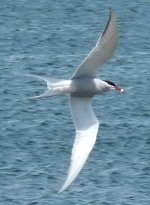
(86, 125)
(103, 50)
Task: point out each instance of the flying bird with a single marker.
(83, 85)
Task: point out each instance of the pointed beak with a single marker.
(120, 90)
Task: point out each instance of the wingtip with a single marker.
(111, 11)
(111, 16)
(62, 189)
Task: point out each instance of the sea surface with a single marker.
(51, 38)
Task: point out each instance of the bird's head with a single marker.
(113, 86)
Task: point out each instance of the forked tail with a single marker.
(55, 86)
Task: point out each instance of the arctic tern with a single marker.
(82, 86)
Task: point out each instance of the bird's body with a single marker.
(87, 87)
(83, 85)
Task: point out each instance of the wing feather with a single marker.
(86, 125)
(103, 50)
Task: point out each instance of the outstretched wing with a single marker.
(103, 50)
(86, 125)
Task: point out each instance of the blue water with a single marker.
(36, 136)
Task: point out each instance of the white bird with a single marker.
(83, 85)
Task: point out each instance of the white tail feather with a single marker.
(48, 80)
(55, 86)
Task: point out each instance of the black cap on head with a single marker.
(109, 82)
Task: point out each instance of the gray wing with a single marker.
(86, 125)
(103, 50)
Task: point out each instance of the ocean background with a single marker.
(36, 136)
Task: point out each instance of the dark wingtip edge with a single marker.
(108, 22)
